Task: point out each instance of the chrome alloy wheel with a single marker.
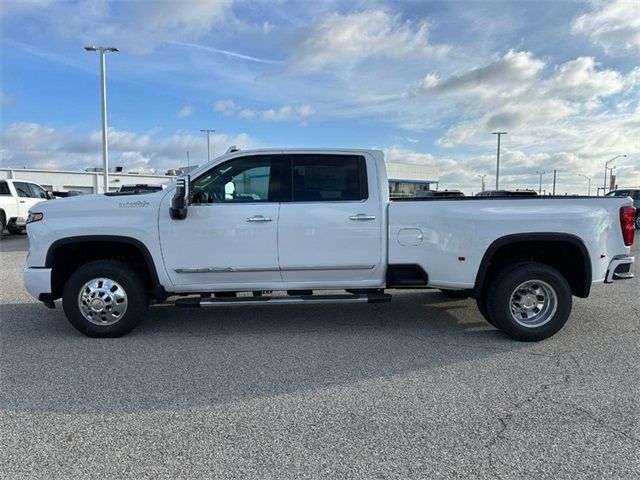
(533, 303)
(102, 301)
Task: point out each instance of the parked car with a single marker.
(507, 193)
(438, 193)
(140, 188)
(16, 198)
(67, 193)
(634, 193)
(322, 220)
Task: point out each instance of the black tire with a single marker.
(127, 278)
(14, 230)
(455, 293)
(482, 308)
(505, 283)
(638, 221)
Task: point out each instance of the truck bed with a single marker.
(448, 237)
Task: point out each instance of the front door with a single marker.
(331, 229)
(29, 194)
(229, 238)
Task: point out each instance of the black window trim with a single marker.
(286, 178)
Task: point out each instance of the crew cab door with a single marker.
(331, 229)
(229, 238)
(28, 195)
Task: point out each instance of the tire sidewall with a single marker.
(127, 277)
(499, 300)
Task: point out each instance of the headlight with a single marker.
(35, 217)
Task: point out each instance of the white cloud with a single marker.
(340, 39)
(508, 73)
(40, 146)
(138, 27)
(185, 112)
(612, 25)
(281, 114)
(513, 93)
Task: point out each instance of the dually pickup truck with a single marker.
(302, 222)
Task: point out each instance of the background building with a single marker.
(85, 182)
(406, 179)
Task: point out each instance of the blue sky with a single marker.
(425, 81)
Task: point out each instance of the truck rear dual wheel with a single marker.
(105, 298)
(529, 301)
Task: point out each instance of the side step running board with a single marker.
(303, 299)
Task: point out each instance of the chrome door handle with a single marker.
(362, 216)
(258, 218)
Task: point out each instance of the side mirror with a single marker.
(180, 200)
(50, 195)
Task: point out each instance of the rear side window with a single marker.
(326, 178)
(4, 188)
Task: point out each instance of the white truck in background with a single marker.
(16, 198)
(306, 221)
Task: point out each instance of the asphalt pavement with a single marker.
(421, 387)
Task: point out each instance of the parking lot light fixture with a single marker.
(208, 131)
(499, 134)
(482, 177)
(540, 187)
(589, 179)
(103, 95)
(606, 167)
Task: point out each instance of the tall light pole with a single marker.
(589, 179)
(482, 181)
(540, 188)
(103, 88)
(208, 131)
(606, 167)
(498, 157)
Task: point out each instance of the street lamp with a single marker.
(208, 131)
(589, 179)
(482, 181)
(540, 188)
(606, 167)
(498, 157)
(103, 88)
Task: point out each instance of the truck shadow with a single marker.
(181, 358)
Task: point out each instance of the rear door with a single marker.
(331, 229)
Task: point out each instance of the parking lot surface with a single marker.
(418, 388)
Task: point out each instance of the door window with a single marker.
(4, 188)
(37, 191)
(22, 189)
(244, 180)
(323, 178)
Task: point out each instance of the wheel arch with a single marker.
(67, 254)
(567, 248)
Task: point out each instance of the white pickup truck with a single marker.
(16, 198)
(305, 221)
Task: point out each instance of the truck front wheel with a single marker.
(105, 298)
(529, 301)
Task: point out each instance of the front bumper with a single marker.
(619, 268)
(37, 281)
